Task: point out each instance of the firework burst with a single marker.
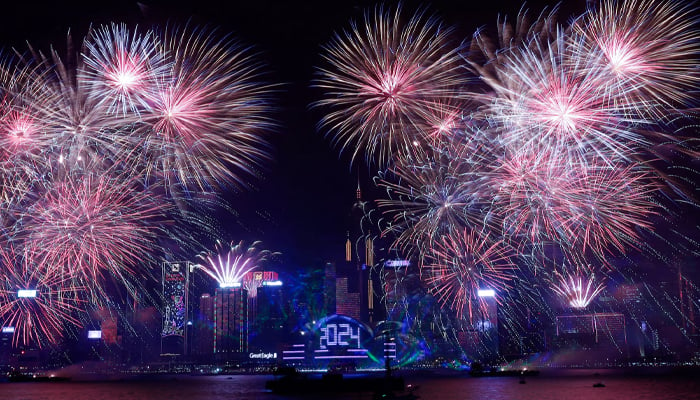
(383, 78)
(228, 267)
(204, 126)
(37, 304)
(649, 50)
(123, 68)
(459, 265)
(577, 288)
(91, 227)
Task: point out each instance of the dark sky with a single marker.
(300, 208)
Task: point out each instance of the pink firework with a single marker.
(577, 288)
(608, 207)
(229, 266)
(206, 122)
(649, 50)
(92, 227)
(123, 68)
(530, 186)
(436, 193)
(78, 127)
(460, 264)
(38, 305)
(547, 98)
(381, 79)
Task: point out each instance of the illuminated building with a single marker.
(268, 325)
(479, 337)
(359, 260)
(6, 346)
(600, 335)
(252, 281)
(205, 326)
(230, 321)
(347, 303)
(175, 296)
(329, 296)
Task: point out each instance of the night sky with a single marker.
(300, 206)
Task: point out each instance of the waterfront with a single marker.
(574, 385)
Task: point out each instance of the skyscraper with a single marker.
(175, 280)
(230, 321)
(205, 326)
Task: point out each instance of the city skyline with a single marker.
(553, 167)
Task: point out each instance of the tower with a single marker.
(205, 325)
(231, 320)
(359, 258)
(175, 308)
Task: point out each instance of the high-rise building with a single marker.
(205, 326)
(347, 303)
(329, 289)
(231, 320)
(270, 318)
(175, 308)
(359, 258)
(602, 336)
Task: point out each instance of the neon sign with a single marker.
(339, 335)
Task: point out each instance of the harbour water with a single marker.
(574, 385)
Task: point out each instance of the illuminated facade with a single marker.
(231, 320)
(175, 308)
(205, 326)
(601, 335)
(347, 303)
(359, 264)
(270, 318)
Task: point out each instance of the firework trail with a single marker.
(577, 288)
(461, 264)
(204, 126)
(90, 227)
(50, 302)
(438, 192)
(382, 78)
(648, 50)
(228, 267)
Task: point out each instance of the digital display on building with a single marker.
(341, 337)
(174, 293)
(26, 293)
(94, 335)
(8, 329)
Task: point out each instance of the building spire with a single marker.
(348, 249)
(359, 192)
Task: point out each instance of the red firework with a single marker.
(383, 78)
(38, 305)
(459, 265)
(91, 227)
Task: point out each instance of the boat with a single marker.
(19, 377)
(599, 384)
(478, 371)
